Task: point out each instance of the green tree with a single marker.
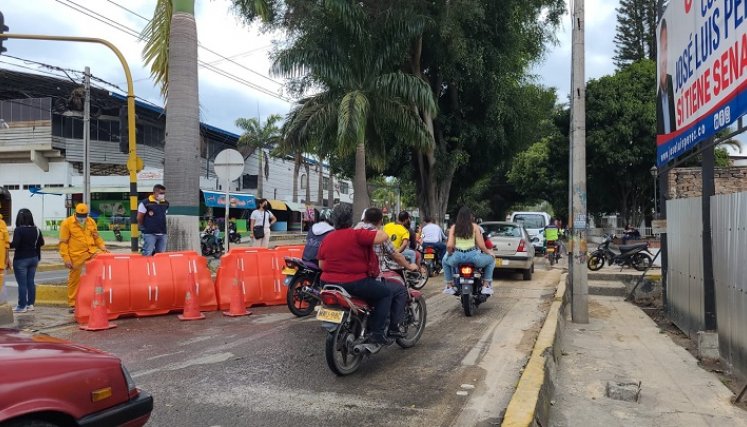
(261, 137)
(636, 31)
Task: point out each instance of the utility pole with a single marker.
(580, 302)
(87, 138)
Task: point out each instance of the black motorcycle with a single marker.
(431, 260)
(210, 245)
(636, 255)
(468, 286)
(304, 286)
(233, 235)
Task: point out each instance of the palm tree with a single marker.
(171, 52)
(365, 103)
(260, 137)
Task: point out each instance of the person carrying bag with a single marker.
(261, 230)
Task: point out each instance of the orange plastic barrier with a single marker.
(145, 286)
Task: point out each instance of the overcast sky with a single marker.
(223, 99)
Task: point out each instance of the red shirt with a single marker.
(344, 254)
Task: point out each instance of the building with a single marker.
(41, 154)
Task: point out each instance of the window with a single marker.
(344, 187)
(27, 186)
(12, 187)
(502, 230)
(303, 181)
(249, 181)
(54, 185)
(325, 182)
(530, 220)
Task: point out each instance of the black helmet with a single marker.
(326, 216)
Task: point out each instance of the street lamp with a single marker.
(654, 172)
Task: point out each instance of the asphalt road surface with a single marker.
(268, 369)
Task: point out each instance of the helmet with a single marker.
(326, 216)
(81, 209)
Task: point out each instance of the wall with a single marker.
(687, 182)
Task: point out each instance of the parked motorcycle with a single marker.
(431, 260)
(346, 320)
(207, 247)
(304, 286)
(234, 236)
(468, 285)
(636, 255)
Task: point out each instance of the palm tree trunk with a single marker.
(360, 196)
(182, 145)
(331, 190)
(320, 188)
(260, 172)
(296, 168)
(308, 181)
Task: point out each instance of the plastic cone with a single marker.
(99, 318)
(238, 303)
(191, 305)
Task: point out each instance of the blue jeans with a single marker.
(25, 270)
(377, 294)
(154, 244)
(409, 254)
(476, 257)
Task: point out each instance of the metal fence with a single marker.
(685, 266)
(729, 222)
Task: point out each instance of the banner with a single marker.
(217, 199)
(701, 72)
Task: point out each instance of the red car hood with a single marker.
(25, 345)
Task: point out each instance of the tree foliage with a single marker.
(635, 37)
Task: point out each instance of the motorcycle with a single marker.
(234, 236)
(207, 247)
(552, 251)
(468, 286)
(345, 318)
(304, 286)
(118, 233)
(431, 260)
(636, 255)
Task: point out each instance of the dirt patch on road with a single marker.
(598, 311)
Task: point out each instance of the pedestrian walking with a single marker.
(79, 242)
(4, 253)
(27, 243)
(261, 220)
(151, 218)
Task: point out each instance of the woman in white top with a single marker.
(261, 220)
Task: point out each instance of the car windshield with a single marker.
(531, 221)
(502, 230)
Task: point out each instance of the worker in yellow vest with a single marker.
(79, 242)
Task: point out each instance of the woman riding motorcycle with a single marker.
(466, 244)
(346, 258)
(316, 235)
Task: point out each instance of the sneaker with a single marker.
(449, 290)
(395, 333)
(487, 290)
(18, 309)
(30, 307)
(379, 339)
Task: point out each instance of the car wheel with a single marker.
(527, 274)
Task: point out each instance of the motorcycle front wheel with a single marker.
(338, 350)
(596, 262)
(641, 261)
(417, 279)
(300, 303)
(415, 321)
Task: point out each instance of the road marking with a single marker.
(209, 359)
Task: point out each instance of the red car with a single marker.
(46, 382)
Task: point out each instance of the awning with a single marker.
(298, 207)
(278, 205)
(217, 199)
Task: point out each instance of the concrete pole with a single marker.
(580, 302)
(87, 139)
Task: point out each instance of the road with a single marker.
(268, 369)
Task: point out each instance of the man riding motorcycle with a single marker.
(552, 235)
(434, 236)
(316, 235)
(372, 220)
(399, 232)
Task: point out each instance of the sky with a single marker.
(250, 91)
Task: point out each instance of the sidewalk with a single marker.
(622, 344)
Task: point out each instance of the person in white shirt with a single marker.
(434, 237)
(261, 220)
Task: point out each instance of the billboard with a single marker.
(701, 72)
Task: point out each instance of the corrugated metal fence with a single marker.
(729, 222)
(685, 272)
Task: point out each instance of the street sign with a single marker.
(229, 165)
(659, 226)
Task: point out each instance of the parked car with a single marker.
(48, 382)
(512, 247)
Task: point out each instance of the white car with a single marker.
(512, 246)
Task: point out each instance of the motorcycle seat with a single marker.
(308, 264)
(626, 248)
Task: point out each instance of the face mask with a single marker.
(82, 221)
(161, 197)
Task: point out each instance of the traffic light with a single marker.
(3, 28)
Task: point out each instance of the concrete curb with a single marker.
(530, 404)
(51, 295)
(6, 314)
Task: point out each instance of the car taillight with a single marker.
(522, 247)
(466, 271)
(329, 299)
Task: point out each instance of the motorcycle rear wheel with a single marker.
(338, 348)
(641, 261)
(415, 320)
(595, 262)
(468, 304)
(299, 302)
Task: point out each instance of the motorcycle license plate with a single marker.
(331, 316)
(430, 256)
(550, 250)
(289, 271)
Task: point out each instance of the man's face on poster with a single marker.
(663, 58)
